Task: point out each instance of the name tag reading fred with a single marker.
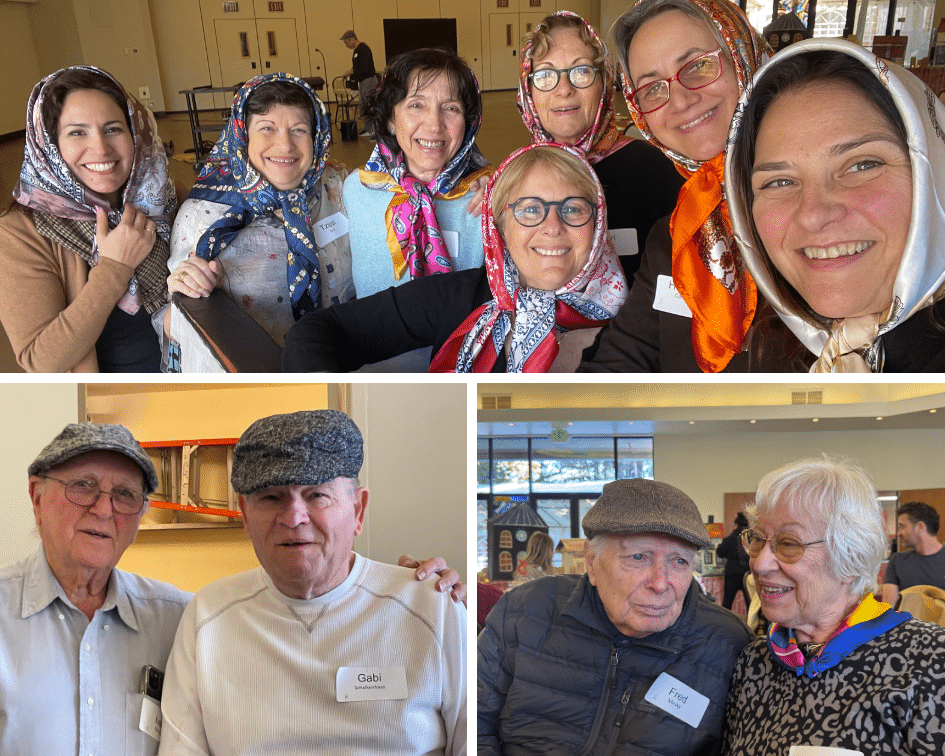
(667, 299)
(330, 228)
(371, 683)
(678, 699)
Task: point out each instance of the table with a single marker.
(197, 129)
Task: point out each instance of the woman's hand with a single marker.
(449, 578)
(474, 208)
(194, 277)
(130, 241)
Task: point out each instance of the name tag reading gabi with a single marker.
(678, 699)
(330, 228)
(151, 720)
(668, 299)
(371, 684)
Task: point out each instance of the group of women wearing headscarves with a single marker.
(749, 231)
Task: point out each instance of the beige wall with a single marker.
(20, 65)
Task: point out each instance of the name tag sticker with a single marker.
(371, 684)
(678, 699)
(669, 300)
(625, 241)
(150, 722)
(806, 750)
(452, 242)
(330, 228)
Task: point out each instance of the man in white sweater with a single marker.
(320, 650)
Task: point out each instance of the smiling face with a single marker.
(76, 538)
(303, 535)
(693, 123)
(642, 580)
(805, 595)
(429, 124)
(96, 143)
(552, 253)
(832, 202)
(281, 146)
(567, 112)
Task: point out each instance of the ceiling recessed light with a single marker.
(753, 421)
(932, 411)
(692, 422)
(815, 419)
(879, 418)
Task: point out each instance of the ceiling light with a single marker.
(815, 419)
(692, 422)
(879, 418)
(932, 411)
(753, 421)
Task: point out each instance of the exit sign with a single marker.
(276, 8)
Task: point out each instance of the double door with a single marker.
(249, 47)
(505, 42)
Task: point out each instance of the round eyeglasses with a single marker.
(532, 211)
(786, 548)
(546, 79)
(85, 493)
(696, 74)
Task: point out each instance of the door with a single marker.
(504, 43)
(238, 49)
(278, 46)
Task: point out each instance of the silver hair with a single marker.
(626, 27)
(840, 494)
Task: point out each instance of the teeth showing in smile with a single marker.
(430, 145)
(770, 590)
(700, 119)
(838, 250)
(100, 167)
(282, 161)
(551, 252)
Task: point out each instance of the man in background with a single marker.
(362, 66)
(319, 650)
(921, 560)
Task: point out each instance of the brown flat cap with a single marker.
(646, 506)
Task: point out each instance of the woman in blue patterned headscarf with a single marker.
(264, 219)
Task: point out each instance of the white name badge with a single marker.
(625, 241)
(371, 684)
(451, 238)
(805, 750)
(667, 299)
(678, 699)
(150, 722)
(330, 228)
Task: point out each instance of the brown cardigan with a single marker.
(52, 306)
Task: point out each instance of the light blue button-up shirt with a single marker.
(72, 686)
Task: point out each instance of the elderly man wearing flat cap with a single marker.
(76, 633)
(630, 658)
(319, 650)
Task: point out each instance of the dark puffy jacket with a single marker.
(551, 681)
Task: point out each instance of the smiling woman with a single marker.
(838, 212)
(264, 219)
(86, 240)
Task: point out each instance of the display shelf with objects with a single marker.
(194, 490)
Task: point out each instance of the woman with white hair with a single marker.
(838, 669)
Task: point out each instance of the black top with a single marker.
(128, 344)
(420, 313)
(362, 63)
(641, 185)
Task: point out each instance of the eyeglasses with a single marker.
(696, 74)
(785, 548)
(532, 211)
(85, 493)
(546, 79)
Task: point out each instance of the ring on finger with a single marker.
(181, 276)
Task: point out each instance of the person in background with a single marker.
(539, 551)
(608, 660)
(837, 669)
(362, 66)
(923, 560)
(361, 657)
(264, 220)
(76, 633)
(550, 272)
(736, 563)
(843, 243)
(566, 95)
(86, 240)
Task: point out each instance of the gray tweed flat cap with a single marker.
(299, 449)
(646, 506)
(79, 438)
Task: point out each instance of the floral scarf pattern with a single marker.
(869, 620)
(588, 300)
(228, 178)
(64, 208)
(708, 271)
(602, 138)
(414, 238)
